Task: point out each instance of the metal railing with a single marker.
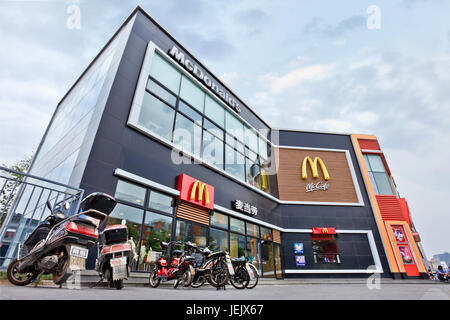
(23, 199)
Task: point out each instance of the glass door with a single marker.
(267, 259)
(253, 253)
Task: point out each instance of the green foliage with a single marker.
(9, 192)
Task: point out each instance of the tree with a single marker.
(11, 188)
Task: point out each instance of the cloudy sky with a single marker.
(312, 65)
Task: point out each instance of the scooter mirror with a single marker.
(49, 205)
(66, 205)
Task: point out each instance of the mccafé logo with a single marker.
(195, 192)
(199, 74)
(314, 169)
(199, 189)
(315, 172)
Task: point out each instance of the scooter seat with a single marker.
(85, 221)
(241, 259)
(177, 252)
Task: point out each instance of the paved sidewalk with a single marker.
(387, 291)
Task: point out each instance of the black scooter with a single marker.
(60, 245)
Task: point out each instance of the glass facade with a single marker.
(180, 112)
(378, 175)
(65, 147)
(150, 218)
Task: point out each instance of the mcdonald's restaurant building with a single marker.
(187, 159)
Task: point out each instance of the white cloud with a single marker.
(292, 79)
(339, 42)
(229, 78)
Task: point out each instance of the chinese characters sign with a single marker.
(245, 207)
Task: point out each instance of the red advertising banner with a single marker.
(399, 234)
(323, 230)
(195, 191)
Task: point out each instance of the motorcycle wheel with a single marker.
(198, 282)
(152, 279)
(187, 278)
(218, 276)
(62, 272)
(118, 284)
(253, 282)
(19, 279)
(240, 279)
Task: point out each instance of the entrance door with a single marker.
(267, 259)
(253, 253)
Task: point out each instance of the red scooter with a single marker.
(181, 268)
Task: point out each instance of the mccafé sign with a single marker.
(200, 75)
(314, 186)
(195, 192)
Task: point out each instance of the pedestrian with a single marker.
(441, 274)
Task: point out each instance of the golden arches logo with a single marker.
(314, 169)
(202, 188)
(324, 230)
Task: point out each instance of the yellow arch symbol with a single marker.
(201, 188)
(314, 169)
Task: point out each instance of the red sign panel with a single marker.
(195, 192)
(323, 230)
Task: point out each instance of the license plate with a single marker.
(118, 261)
(77, 263)
(80, 252)
(119, 271)
(230, 268)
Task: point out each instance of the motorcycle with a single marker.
(180, 269)
(60, 244)
(214, 267)
(114, 256)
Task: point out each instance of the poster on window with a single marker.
(399, 234)
(300, 261)
(298, 248)
(405, 252)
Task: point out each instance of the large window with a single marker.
(378, 175)
(247, 240)
(160, 201)
(130, 192)
(237, 245)
(187, 231)
(178, 110)
(148, 215)
(165, 73)
(157, 116)
(218, 240)
(325, 249)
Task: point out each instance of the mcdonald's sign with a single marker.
(195, 192)
(314, 168)
(323, 230)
